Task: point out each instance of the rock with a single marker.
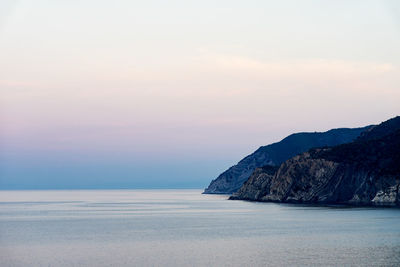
(386, 197)
(258, 184)
(232, 179)
(364, 172)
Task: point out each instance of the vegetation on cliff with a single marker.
(363, 172)
(232, 179)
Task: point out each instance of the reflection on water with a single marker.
(183, 227)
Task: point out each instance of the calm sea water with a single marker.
(185, 228)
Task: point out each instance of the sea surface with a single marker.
(186, 228)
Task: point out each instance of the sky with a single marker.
(168, 94)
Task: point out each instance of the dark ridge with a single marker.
(381, 130)
(232, 179)
(363, 172)
(380, 155)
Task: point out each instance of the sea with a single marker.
(186, 228)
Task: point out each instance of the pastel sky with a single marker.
(167, 94)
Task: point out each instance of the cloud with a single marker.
(239, 74)
(293, 67)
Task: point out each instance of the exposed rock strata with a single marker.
(232, 179)
(364, 172)
(258, 184)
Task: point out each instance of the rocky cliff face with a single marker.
(364, 172)
(258, 184)
(232, 179)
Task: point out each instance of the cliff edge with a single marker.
(275, 154)
(363, 172)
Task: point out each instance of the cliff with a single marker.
(232, 179)
(364, 172)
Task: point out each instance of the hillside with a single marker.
(363, 172)
(232, 179)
